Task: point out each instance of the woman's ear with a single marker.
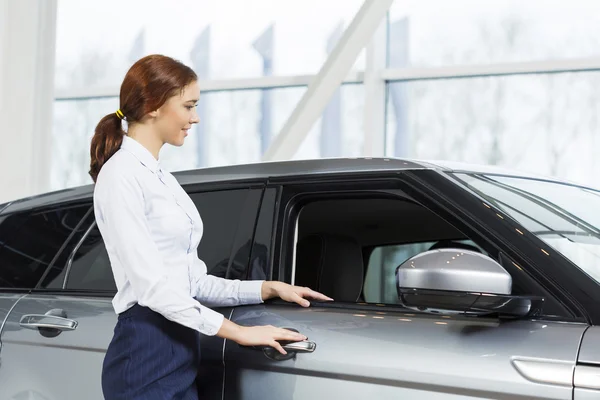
(153, 114)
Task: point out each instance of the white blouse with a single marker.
(151, 229)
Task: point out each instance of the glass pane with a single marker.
(29, 242)
(235, 127)
(74, 124)
(221, 215)
(97, 41)
(544, 124)
(568, 215)
(90, 269)
(232, 129)
(435, 32)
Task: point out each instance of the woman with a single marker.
(151, 230)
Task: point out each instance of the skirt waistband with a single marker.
(136, 310)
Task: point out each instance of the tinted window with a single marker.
(90, 267)
(221, 215)
(228, 218)
(30, 241)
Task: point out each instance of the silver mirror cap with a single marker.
(455, 270)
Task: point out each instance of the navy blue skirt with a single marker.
(150, 357)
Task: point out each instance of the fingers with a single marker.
(278, 347)
(315, 295)
(286, 334)
(298, 299)
(319, 296)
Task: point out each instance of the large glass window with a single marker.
(235, 127)
(439, 33)
(564, 216)
(219, 39)
(74, 124)
(543, 123)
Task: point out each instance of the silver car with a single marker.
(450, 282)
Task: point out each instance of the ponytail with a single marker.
(107, 139)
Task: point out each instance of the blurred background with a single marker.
(498, 82)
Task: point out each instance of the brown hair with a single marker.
(148, 84)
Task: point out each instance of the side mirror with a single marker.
(459, 281)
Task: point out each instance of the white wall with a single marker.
(27, 42)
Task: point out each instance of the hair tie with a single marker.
(120, 114)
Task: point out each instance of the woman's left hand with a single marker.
(293, 294)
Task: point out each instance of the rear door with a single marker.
(365, 344)
(57, 336)
(31, 241)
(9, 295)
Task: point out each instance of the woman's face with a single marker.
(177, 115)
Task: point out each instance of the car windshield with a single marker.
(566, 217)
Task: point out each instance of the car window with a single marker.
(221, 212)
(89, 268)
(349, 248)
(564, 216)
(229, 217)
(31, 241)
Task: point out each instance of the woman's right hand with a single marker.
(266, 336)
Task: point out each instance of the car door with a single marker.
(31, 241)
(8, 295)
(57, 336)
(364, 344)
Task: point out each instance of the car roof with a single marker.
(263, 171)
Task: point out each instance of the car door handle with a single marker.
(37, 321)
(300, 347)
(292, 348)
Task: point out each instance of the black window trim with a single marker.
(263, 210)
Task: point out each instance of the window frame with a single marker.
(399, 185)
(265, 230)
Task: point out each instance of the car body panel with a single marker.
(7, 303)
(587, 372)
(69, 366)
(590, 347)
(390, 354)
(585, 394)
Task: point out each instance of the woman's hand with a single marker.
(266, 336)
(293, 294)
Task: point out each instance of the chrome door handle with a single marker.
(292, 348)
(300, 347)
(37, 321)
